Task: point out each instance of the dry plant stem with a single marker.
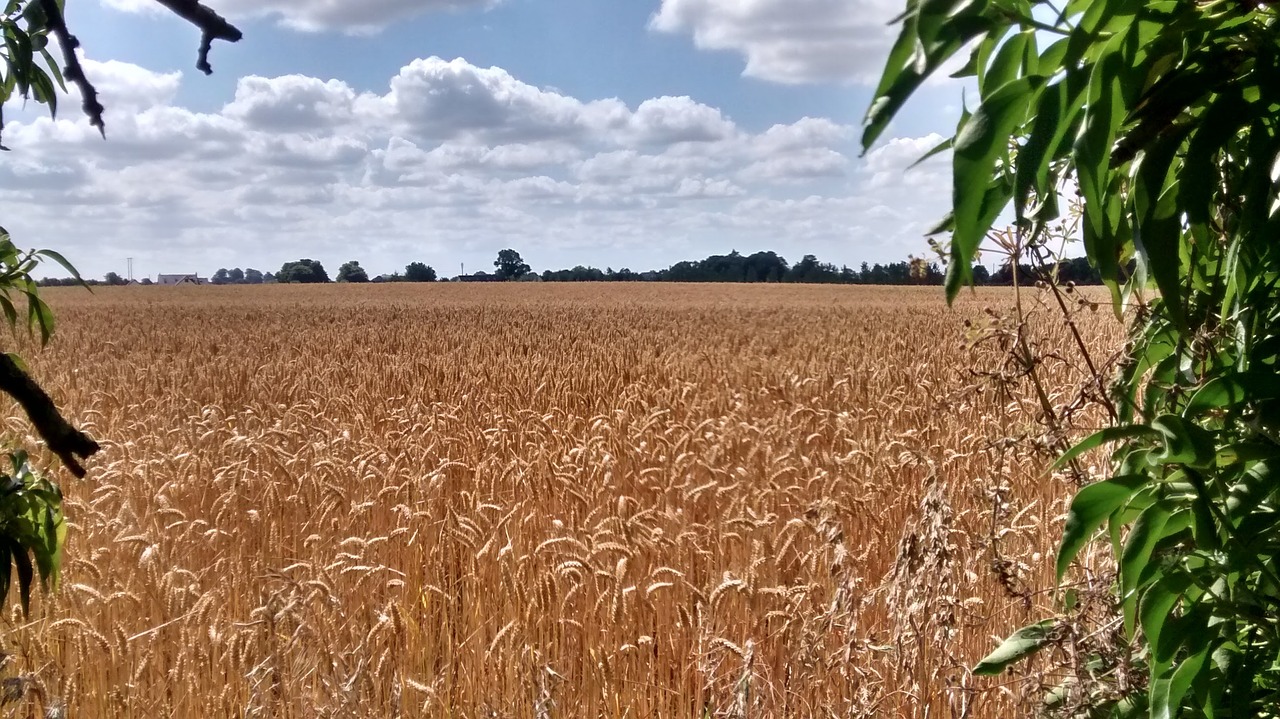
(1098, 380)
(70, 444)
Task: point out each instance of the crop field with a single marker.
(538, 501)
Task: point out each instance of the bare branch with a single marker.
(70, 444)
(73, 72)
(212, 27)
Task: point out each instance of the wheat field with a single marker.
(537, 501)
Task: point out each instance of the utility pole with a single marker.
(130, 259)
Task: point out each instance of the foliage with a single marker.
(303, 272)
(236, 276)
(352, 272)
(31, 526)
(419, 272)
(510, 265)
(1165, 116)
(114, 279)
(765, 266)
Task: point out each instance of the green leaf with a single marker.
(917, 54)
(1184, 442)
(26, 576)
(1104, 114)
(54, 70)
(1233, 390)
(57, 257)
(1167, 692)
(1105, 436)
(1158, 235)
(1255, 486)
(1147, 531)
(982, 140)
(938, 149)
(1090, 508)
(39, 314)
(1198, 182)
(1059, 106)
(6, 571)
(1007, 63)
(1021, 644)
(1158, 600)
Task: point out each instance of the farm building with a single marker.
(174, 280)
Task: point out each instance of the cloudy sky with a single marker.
(615, 134)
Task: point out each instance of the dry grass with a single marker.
(536, 501)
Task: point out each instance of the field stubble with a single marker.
(537, 501)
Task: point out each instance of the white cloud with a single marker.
(669, 120)
(790, 41)
(434, 99)
(291, 103)
(131, 87)
(356, 17)
(453, 161)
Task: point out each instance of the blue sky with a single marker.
(577, 131)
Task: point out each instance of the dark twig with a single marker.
(70, 444)
(73, 72)
(212, 27)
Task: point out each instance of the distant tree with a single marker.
(810, 270)
(419, 272)
(352, 272)
(981, 275)
(510, 265)
(114, 279)
(252, 277)
(237, 276)
(303, 272)
(221, 277)
(268, 277)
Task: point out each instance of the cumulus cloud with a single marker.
(450, 159)
(131, 87)
(790, 41)
(365, 16)
(291, 103)
(435, 99)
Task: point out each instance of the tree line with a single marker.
(772, 267)
(734, 267)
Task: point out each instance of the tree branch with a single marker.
(212, 27)
(73, 72)
(70, 444)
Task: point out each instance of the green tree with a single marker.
(113, 278)
(1166, 117)
(352, 272)
(236, 276)
(252, 277)
(32, 527)
(419, 272)
(221, 277)
(302, 272)
(510, 265)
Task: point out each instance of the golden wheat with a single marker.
(549, 501)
